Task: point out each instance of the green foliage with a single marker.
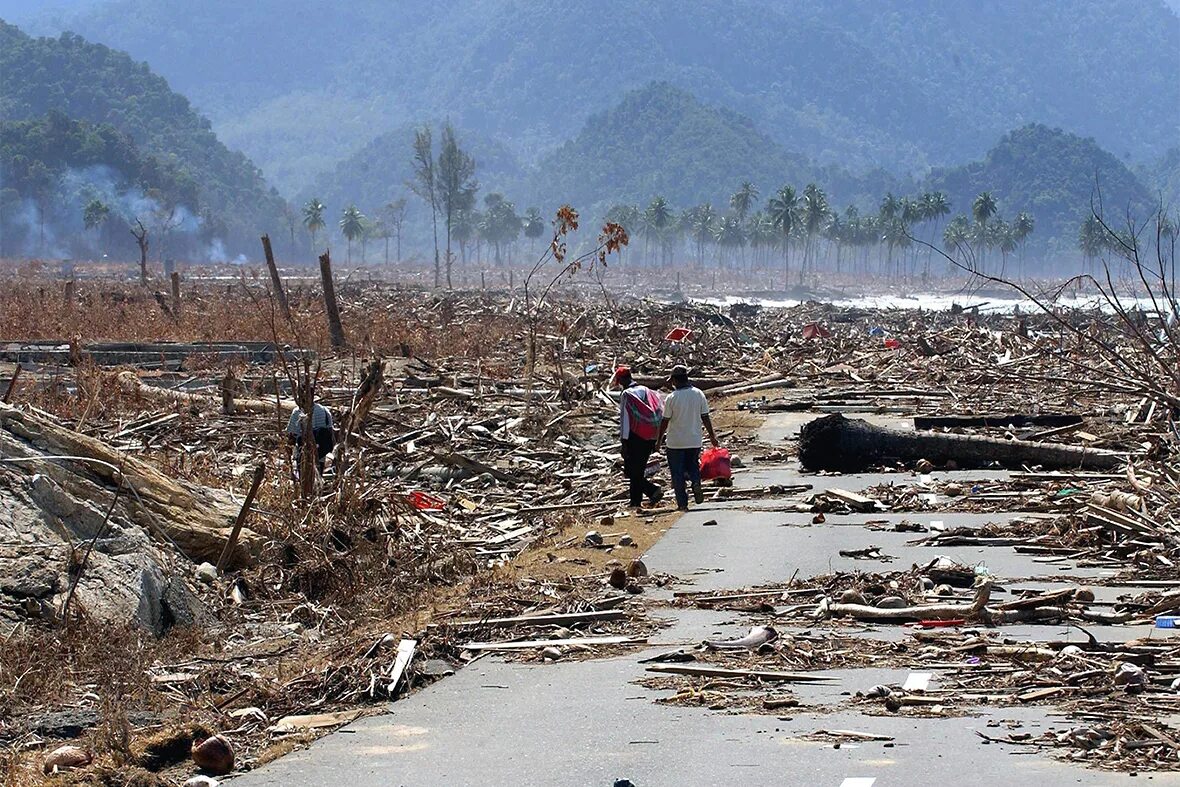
(1050, 175)
(71, 174)
(89, 82)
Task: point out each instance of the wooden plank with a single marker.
(556, 619)
(556, 643)
(405, 654)
(720, 672)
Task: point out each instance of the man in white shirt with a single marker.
(685, 411)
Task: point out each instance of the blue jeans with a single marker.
(685, 465)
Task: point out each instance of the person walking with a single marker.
(640, 415)
(320, 425)
(685, 411)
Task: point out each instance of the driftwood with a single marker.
(130, 382)
(923, 612)
(850, 445)
(1048, 606)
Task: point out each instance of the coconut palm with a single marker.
(782, 210)
(730, 233)
(534, 225)
(313, 218)
(983, 209)
(1022, 227)
(352, 225)
(656, 220)
(743, 200)
(700, 221)
(814, 212)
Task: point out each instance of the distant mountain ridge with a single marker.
(901, 84)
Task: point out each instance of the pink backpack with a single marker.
(645, 411)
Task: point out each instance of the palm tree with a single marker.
(627, 217)
(534, 226)
(656, 219)
(730, 233)
(743, 199)
(935, 205)
(983, 209)
(815, 211)
(1022, 227)
(313, 218)
(783, 207)
(700, 223)
(352, 225)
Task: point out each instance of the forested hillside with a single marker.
(1054, 176)
(92, 83)
(71, 187)
(902, 84)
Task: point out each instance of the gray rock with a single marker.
(892, 602)
(207, 573)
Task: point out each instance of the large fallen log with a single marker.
(129, 381)
(850, 445)
(197, 520)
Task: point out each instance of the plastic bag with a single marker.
(715, 464)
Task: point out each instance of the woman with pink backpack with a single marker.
(640, 415)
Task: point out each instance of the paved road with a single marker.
(588, 723)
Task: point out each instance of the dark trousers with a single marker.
(636, 452)
(325, 441)
(684, 464)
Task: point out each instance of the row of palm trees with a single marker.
(803, 227)
(496, 227)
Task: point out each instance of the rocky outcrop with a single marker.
(55, 488)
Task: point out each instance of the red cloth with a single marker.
(715, 463)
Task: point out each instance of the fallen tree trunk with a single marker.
(197, 520)
(130, 382)
(850, 445)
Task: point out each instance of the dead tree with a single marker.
(849, 445)
(276, 282)
(335, 329)
(176, 293)
(140, 233)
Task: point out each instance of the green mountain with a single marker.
(1053, 175)
(900, 84)
(92, 83)
(660, 140)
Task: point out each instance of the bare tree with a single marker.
(140, 233)
(423, 184)
(395, 211)
(456, 184)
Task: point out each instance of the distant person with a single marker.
(322, 432)
(640, 416)
(685, 411)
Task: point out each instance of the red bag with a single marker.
(715, 464)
